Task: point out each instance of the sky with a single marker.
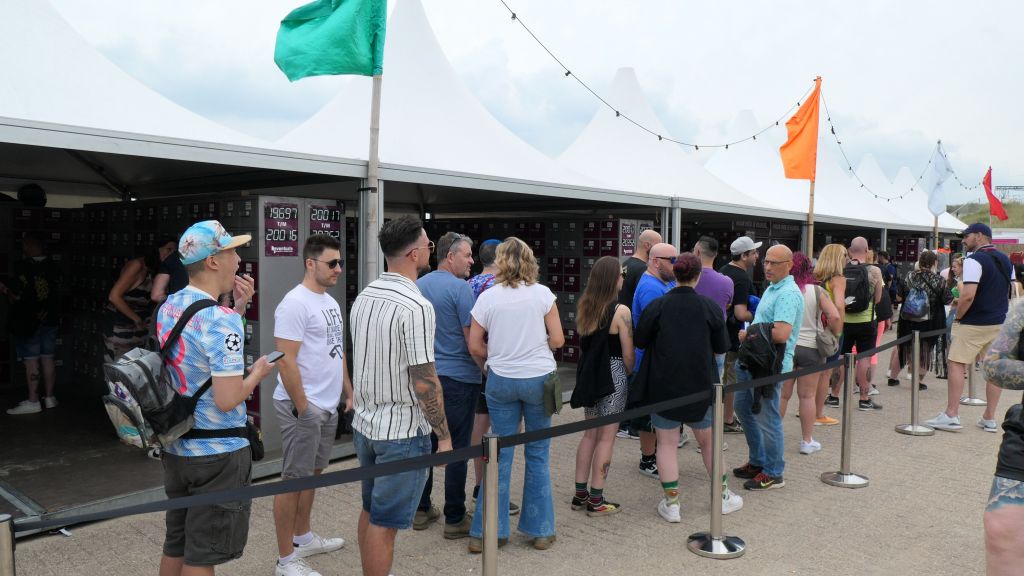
(897, 76)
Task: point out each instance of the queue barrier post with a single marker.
(971, 399)
(844, 478)
(490, 504)
(6, 545)
(714, 544)
(914, 428)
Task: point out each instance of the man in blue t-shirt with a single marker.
(446, 288)
(210, 348)
(655, 282)
(782, 304)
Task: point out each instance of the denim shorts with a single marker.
(41, 344)
(392, 500)
(666, 424)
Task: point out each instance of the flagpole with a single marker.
(935, 230)
(371, 225)
(810, 224)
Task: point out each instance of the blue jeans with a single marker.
(510, 400)
(763, 430)
(391, 500)
(459, 407)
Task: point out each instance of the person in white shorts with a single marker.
(309, 329)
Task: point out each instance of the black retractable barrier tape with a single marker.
(884, 347)
(776, 378)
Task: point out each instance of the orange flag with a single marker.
(800, 152)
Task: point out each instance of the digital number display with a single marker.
(281, 225)
(326, 219)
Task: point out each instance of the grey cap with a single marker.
(743, 244)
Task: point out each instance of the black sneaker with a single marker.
(922, 386)
(764, 482)
(748, 470)
(832, 401)
(580, 503)
(868, 405)
(893, 382)
(733, 427)
(649, 469)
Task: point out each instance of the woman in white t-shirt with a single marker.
(817, 304)
(515, 326)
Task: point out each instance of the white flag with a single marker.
(938, 172)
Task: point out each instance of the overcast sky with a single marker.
(898, 75)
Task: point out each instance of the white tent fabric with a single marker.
(53, 75)
(917, 200)
(621, 154)
(429, 120)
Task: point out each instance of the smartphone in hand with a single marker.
(274, 356)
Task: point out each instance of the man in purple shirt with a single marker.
(712, 284)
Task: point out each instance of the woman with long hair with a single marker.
(129, 308)
(829, 273)
(515, 326)
(606, 355)
(817, 304)
(924, 279)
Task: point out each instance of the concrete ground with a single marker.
(921, 514)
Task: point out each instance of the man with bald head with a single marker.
(859, 326)
(657, 280)
(632, 269)
(782, 304)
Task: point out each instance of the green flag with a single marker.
(332, 37)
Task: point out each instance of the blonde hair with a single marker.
(516, 263)
(831, 262)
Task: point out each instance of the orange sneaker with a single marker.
(825, 421)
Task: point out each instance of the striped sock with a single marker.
(596, 496)
(671, 491)
(581, 490)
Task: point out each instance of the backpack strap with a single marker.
(179, 326)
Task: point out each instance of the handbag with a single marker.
(552, 394)
(255, 438)
(827, 342)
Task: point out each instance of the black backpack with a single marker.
(858, 288)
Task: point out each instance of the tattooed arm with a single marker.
(431, 399)
(1002, 366)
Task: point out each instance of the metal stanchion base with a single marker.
(915, 430)
(967, 401)
(844, 480)
(703, 544)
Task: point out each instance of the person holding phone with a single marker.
(309, 330)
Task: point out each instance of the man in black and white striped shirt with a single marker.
(398, 396)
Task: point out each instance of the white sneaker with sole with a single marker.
(945, 422)
(684, 438)
(988, 425)
(725, 446)
(874, 391)
(731, 502)
(25, 407)
(670, 512)
(810, 447)
(297, 567)
(319, 545)
(50, 401)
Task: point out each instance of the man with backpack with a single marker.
(215, 454)
(980, 311)
(863, 293)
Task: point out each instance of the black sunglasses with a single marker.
(336, 263)
(671, 259)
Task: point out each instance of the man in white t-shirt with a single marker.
(308, 328)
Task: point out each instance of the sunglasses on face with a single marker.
(336, 263)
(671, 259)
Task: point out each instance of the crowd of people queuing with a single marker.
(439, 357)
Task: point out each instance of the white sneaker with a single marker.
(319, 545)
(944, 422)
(988, 425)
(50, 401)
(874, 391)
(297, 567)
(731, 502)
(25, 407)
(670, 512)
(684, 438)
(810, 447)
(725, 446)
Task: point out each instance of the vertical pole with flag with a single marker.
(995, 207)
(343, 37)
(800, 152)
(938, 172)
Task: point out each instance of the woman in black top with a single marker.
(924, 278)
(680, 333)
(606, 359)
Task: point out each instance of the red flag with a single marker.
(995, 207)
(800, 152)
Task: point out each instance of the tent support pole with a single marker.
(810, 223)
(677, 226)
(370, 198)
(935, 231)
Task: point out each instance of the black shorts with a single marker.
(207, 535)
(860, 334)
(481, 400)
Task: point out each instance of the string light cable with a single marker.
(901, 195)
(568, 73)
